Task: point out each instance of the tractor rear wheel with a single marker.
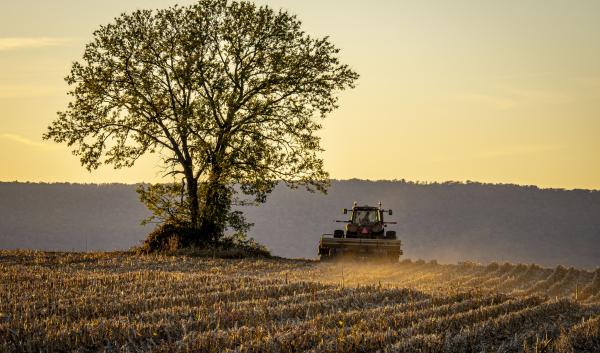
(327, 256)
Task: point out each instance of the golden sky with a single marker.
(492, 91)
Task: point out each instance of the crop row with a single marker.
(513, 279)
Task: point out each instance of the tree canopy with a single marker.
(227, 93)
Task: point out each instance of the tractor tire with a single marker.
(390, 234)
(328, 256)
(325, 258)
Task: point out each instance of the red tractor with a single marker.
(364, 237)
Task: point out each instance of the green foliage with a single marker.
(227, 93)
(169, 205)
(166, 202)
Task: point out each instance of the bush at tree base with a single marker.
(176, 239)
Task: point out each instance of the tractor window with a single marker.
(365, 217)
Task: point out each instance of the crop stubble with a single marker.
(122, 302)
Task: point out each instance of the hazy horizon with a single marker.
(415, 182)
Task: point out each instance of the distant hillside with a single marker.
(449, 222)
(70, 216)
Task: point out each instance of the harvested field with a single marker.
(121, 302)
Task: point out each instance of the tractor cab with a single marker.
(367, 222)
(365, 216)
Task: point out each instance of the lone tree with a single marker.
(228, 94)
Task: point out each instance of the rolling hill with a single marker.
(448, 222)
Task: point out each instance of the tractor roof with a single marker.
(365, 208)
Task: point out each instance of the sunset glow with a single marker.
(500, 92)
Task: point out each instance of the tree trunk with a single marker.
(208, 226)
(192, 191)
(214, 208)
